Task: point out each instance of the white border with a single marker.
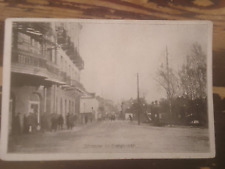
(98, 156)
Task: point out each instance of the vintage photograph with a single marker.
(107, 89)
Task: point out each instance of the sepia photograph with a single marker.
(78, 89)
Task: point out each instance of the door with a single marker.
(34, 107)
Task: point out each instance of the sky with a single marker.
(114, 53)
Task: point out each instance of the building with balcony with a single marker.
(45, 74)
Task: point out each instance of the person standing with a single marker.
(18, 124)
(54, 121)
(60, 121)
(30, 123)
(68, 121)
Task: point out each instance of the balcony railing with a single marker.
(53, 69)
(30, 63)
(77, 84)
(65, 78)
(27, 58)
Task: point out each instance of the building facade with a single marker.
(45, 75)
(89, 107)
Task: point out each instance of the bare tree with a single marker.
(193, 74)
(167, 78)
(168, 81)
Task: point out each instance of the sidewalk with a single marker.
(25, 142)
(74, 129)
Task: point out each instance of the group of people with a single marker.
(57, 121)
(70, 120)
(30, 123)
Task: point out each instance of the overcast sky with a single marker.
(113, 54)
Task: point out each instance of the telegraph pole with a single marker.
(138, 99)
(168, 85)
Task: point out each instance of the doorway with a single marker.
(34, 107)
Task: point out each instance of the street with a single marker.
(114, 136)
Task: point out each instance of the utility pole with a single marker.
(138, 99)
(168, 85)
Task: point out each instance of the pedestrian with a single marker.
(31, 123)
(54, 121)
(60, 121)
(71, 121)
(44, 122)
(131, 118)
(18, 124)
(86, 119)
(36, 125)
(25, 124)
(67, 120)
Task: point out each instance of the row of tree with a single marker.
(188, 83)
(190, 80)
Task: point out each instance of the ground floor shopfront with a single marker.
(39, 104)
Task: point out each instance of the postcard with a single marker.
(79, 89)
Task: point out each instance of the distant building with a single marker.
(126, 109)
(95, 108)
(45, 74)
(106, 108)
(89, 107)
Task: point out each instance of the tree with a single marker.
(167, 78)
(193, 74)
(193, 83)
(168, 81)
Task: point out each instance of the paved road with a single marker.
(115, 136)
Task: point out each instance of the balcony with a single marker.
(63, 76)
(54, 74)
(77, 85)
(66, 80)
(33, 64)
(28, 63)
